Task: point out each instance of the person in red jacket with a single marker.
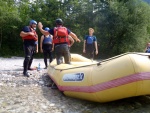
(60, 40)
(30, 43)
(70, 43)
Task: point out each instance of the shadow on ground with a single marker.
(66, 104)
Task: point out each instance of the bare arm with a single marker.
(74, 36)
(23, 34)
(71, 40)
(52, 43)
(84, 46)
(40, 26)
(37, 49)
(41, 43)
(96, 52)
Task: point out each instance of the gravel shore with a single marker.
(19, 94)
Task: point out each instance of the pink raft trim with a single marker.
(106, 85)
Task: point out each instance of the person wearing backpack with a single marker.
(46, 47)
(30, 43)
(90, 45)
(60, 40)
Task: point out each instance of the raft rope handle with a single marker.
(99, 63)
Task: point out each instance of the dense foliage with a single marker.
(120, 25)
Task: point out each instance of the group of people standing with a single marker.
(58, 39)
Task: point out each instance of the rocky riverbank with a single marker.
(19, 94)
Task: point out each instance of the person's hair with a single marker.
(148, 43)
(91, 29)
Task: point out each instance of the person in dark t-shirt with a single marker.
(60, 40)
(30, 44)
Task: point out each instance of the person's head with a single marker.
(148, 44)
(91, 31)
(59, 22)
(47, 29)
(33, 24)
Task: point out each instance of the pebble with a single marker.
(19, 94)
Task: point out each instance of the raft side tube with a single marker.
(120, 77)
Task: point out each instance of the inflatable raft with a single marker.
(122, 76)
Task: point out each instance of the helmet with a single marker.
(46, 29)
(32, 22)
(59, 21)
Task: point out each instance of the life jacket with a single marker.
(47, 40)
(30, 37)
(60, 35)
(90, 39)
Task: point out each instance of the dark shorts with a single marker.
(62, 50)
(47, 47)
(90, 51)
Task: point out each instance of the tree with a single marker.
(8, 21)
(123, 26)
(120, 25)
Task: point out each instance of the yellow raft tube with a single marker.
(119, 77)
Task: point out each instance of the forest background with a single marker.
(120, 25)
